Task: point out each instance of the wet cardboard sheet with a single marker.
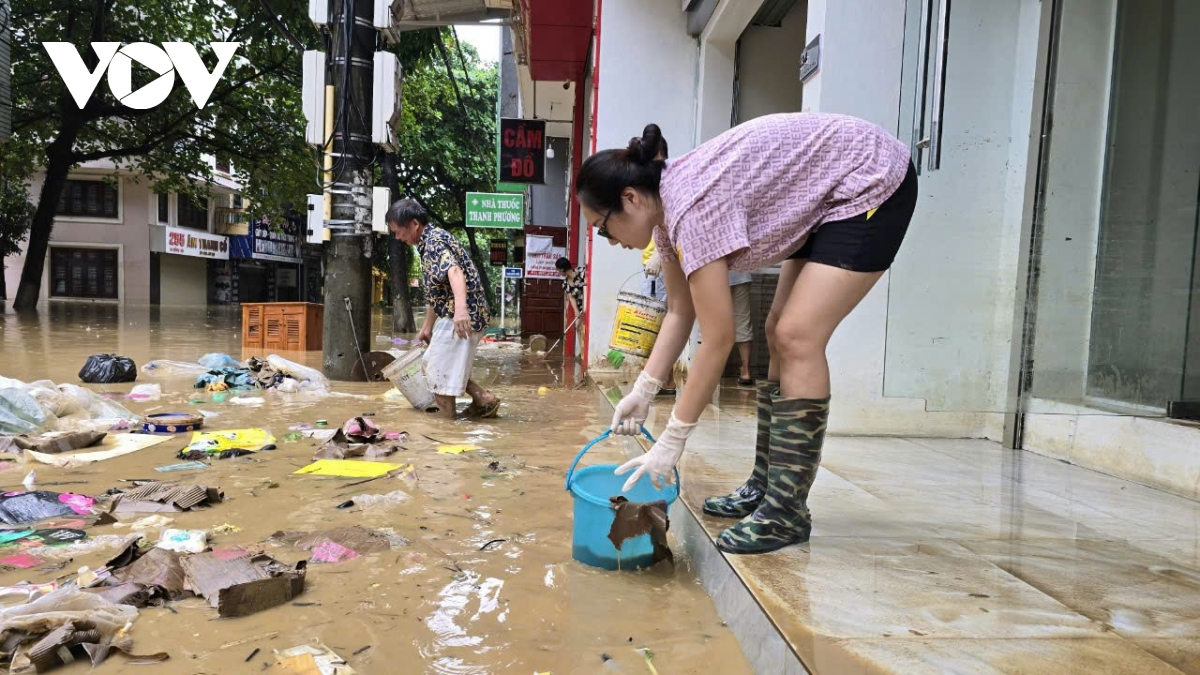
(113, 445)
(52, 443)
(242, 586)
(313, 660)
(157, 498)
(157, 568)
(633, 519)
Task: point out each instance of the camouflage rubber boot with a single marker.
(797, 433)
(742, 501)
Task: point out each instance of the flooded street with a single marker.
(486, 583)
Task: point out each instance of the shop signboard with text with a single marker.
(196, 244)
(540, 256)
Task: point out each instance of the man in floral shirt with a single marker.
(457, 311)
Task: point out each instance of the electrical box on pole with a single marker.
(386, 92)
(381, 198)
(318, 12)
(313, 97)
(315, 233)
(387, 14)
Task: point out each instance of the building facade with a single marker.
(1044, 294)
(116, 240)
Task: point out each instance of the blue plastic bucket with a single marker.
(591, 488)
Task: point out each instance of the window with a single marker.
(192, 214)
(236, 201)
(83, 273)
(164, 203)
(88, 198)
(222, 165)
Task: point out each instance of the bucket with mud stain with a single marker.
(592, 487)
(407, 373)
(637, 324)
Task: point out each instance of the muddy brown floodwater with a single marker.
(439, 605)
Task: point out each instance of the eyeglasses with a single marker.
(602, 228)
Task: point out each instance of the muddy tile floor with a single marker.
(486, 584)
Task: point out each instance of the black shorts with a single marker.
(867, 242)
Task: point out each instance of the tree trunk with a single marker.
(58, 166)
(398, 260)
(3, 281)
(479, 267)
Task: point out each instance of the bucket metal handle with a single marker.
(601, 437)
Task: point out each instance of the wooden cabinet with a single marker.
(283, 326)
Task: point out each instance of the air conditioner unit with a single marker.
(318, 12)
(387, 14)
(381, 199)
(313, 95)
(386, 92)
(316, 219)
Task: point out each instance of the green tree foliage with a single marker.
(447, 135)
(16, 214)
(253, 117)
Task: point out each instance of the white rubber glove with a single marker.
(660, 462)
(632, 411)
(653, 265)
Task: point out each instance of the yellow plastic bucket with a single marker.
(637, 324)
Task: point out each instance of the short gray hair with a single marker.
(405, 211)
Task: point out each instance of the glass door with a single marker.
(1117, 213)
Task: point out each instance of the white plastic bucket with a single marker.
(407, 373)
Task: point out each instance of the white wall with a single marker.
(769, 66)
(950, 310)
(647, 74)
(927, 351)
(184, 281)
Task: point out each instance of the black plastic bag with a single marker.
(107, 369)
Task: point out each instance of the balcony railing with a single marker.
(230, 221)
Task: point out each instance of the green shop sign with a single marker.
(488, 209)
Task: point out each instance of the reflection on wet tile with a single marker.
(919, 656)
(958, 556)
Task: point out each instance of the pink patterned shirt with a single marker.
(754, 193)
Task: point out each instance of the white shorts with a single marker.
(448, 359)
(742, 330)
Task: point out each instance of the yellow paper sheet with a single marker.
(454, 449)
(228, 439)
(113, 445)
(348, 468)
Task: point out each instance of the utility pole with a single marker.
(348, 251)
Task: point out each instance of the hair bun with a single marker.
(649, 147)
(636, 150)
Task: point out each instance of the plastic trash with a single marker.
(30, 481)
(147, 523)
(389, 499)
(184, 541)
(217, 361)
(64, 606)
(108, 369)
(94, 405)
(248, 400)
(21, 413)
(310, 378)
(289, 386)
(146, 391)
(29, 507)
(173, 369)
(52, 399)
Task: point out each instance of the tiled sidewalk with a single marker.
(950, 556)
